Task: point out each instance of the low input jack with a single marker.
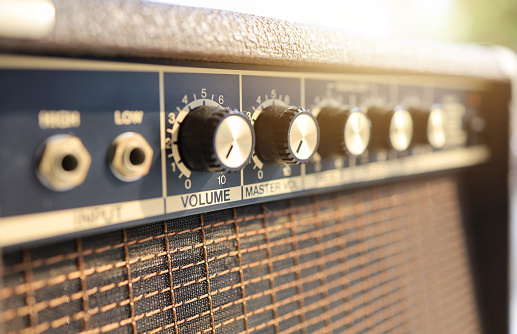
(130, 157)
(63, 162)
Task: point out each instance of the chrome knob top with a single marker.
(286, 135)
(401, 129)
(344, 131)
(391, 128)
(429, 126)
(234, 141)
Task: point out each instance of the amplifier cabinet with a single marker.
(169, 169)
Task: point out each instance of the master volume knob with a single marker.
(286, 135)
(216, 139)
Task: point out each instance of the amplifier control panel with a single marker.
(90, 144)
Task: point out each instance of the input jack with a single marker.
(130, 157)
(64, 163)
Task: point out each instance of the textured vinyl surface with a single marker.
(132, 28)
(386, 259)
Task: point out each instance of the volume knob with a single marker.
(391, 128)
(429, 126)
(216, 139)
(344, 131)
(286, 135)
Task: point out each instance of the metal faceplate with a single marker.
(97, 101)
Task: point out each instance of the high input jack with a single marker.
(130, 157)
(63, 163)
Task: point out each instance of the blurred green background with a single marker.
(492, 21)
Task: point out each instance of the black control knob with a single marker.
(344, 131)
(429, 126)
(391, 128)
(286, 135)
(216, 139)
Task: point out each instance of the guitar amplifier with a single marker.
(167, 169)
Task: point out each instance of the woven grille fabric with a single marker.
(389, 258)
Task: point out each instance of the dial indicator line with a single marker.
(299, 146)
(227, 155)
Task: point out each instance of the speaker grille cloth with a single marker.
(389, 258)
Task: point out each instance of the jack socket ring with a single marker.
(64, 162)
(130, 157)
